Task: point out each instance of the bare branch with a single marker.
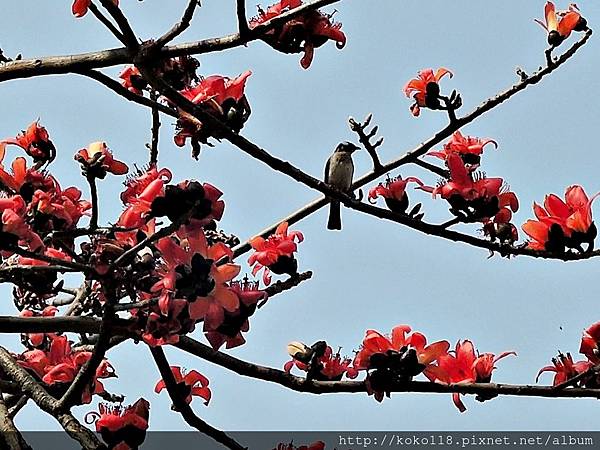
(155, 130)
(9, 435)
(107, 23)
(180, 26)
(241, 17)
(432, 168)
(365, 140)
(129, 36)
(126, 93)
(183, 408)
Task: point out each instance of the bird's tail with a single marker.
(335, 216)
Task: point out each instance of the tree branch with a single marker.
(107, 23)
(8, 432)
(300, 384)
(180, 26)
(54, 65)
(129, 36)
(183, 408)
(155, 131)
(243, 28)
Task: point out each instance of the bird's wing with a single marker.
(326, 178)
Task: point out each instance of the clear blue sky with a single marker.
(374, 274)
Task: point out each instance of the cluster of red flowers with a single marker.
(301, 34)
(34, 204)
(397, 358)
(563, 224)
(474, 197)
(221, 96)
(58, 366)
(565, 369)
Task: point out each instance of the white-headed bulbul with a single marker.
(339, 171)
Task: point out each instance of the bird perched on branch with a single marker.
(339, 171)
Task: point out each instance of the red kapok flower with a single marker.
(564, 368)
(61, 364)
(190, 384)
(469, 148)
(590, 343)
(35, 141)
(132, 80)
(464, 367)
(121, 427)
(236, 322)
(425, 89)
(393, 192)
(377, 343)
(25, 181)
(225, 97)
(13, 227)
(60, 209)
(475, 198)
(560, 25)
(276, 253)
(327, 367)
(97, 159)
(561, 223)
(303, 33)
(80, 7)
(189, 272)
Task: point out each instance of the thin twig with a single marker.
(365, 139)
(183, 408)
(107, 23)
(444, 173)
(51, 260)
(129, 36)
(180, 26)
(126, 93)
(18, 406)
(87, 372)
(155, 130)
(94, 199)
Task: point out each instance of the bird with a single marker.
(339, 171)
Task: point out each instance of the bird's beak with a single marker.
(353, 148)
